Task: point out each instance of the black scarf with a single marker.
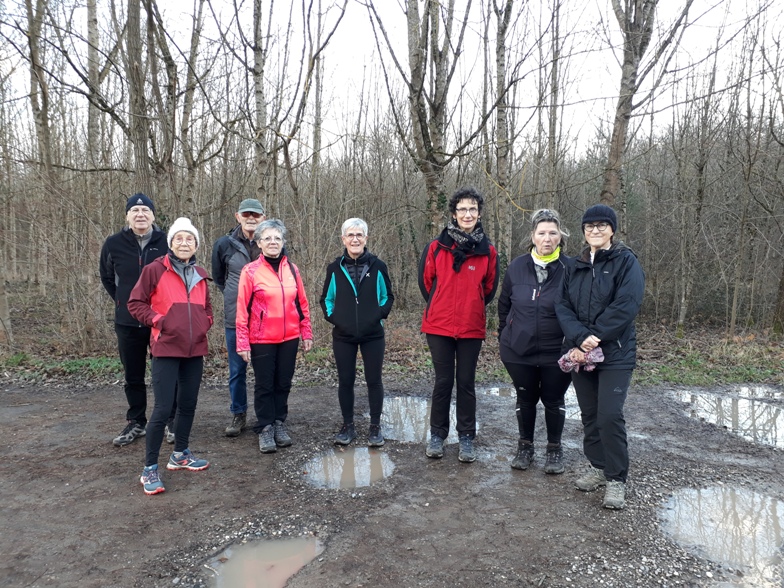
(465, 242)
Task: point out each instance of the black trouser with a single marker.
(173, 378)
(132, 343)
(534, 383)
(601, 394)
(273, 368)
(346, 362)
(454, 359)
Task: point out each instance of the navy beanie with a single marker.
(139, 199)
(599, 213)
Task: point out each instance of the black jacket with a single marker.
(528, 329)
(122, 261)
(603, 299)
(357, 313)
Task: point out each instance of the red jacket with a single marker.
(271, 307)
(179, 319)
(456, 300)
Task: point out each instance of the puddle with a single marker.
(745, 411)
(737, 528)
(263, 564)
(352, 467)
(407, 419)
(502, 391)
(508, 391)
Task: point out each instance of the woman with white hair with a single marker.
(272, 316)
(356, 298)
(172, 298)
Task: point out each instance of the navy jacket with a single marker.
(603, 299)
(528, 329)
(121, 264)
(357, 312)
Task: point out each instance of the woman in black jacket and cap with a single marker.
(602, 293)
(530, 338)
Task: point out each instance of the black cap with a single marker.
(139, 199)
(599, 213)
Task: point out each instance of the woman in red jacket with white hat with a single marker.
(172, 298)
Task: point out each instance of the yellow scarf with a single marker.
(546, 258)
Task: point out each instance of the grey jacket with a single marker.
(230, 254)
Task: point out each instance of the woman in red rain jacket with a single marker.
(272, 316)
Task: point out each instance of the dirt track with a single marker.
(74, 514)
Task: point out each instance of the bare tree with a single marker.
(636, 19)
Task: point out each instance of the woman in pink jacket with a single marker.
(272, 316)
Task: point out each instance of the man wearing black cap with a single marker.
(230, 254)
(123, 256)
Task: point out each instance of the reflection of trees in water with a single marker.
(752, 419)
(739, 527)
(407, 419)
(349, 468)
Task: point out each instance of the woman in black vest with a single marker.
(530, 338)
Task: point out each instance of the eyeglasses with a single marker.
(589, 227)
(184, 240)
(138, 209)
(473, 211)
(250, 213)
(352, 236)
(271, 239)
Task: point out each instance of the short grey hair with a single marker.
(354, 222)
(272, 223)
(547, 215)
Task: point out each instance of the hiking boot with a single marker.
(168, 433)
(592, 480)
(553, 462)
(185, 460)
(525, 455)
(615, 495)
(435, 448)
(375, 437)
(346, 434)
(467, 454)
(151, 480)
(280, 434)
(267, 440)
(129, 434)
(238, 423)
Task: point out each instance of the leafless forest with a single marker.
(672, 112)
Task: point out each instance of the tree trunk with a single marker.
(139, 127)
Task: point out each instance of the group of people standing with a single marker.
(551, 308)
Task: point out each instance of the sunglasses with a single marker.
(250, 213)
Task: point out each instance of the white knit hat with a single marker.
(182, 224)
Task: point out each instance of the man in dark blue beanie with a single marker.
(123, 256)
(139, 199)
(599, 213)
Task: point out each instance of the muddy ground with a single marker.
(74, 514)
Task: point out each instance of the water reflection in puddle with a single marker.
(407, 419)
(508, 391)
(263, 564)
(351, 467)
(746, 411)
(737, 528)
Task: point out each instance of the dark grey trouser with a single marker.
(601, 395)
